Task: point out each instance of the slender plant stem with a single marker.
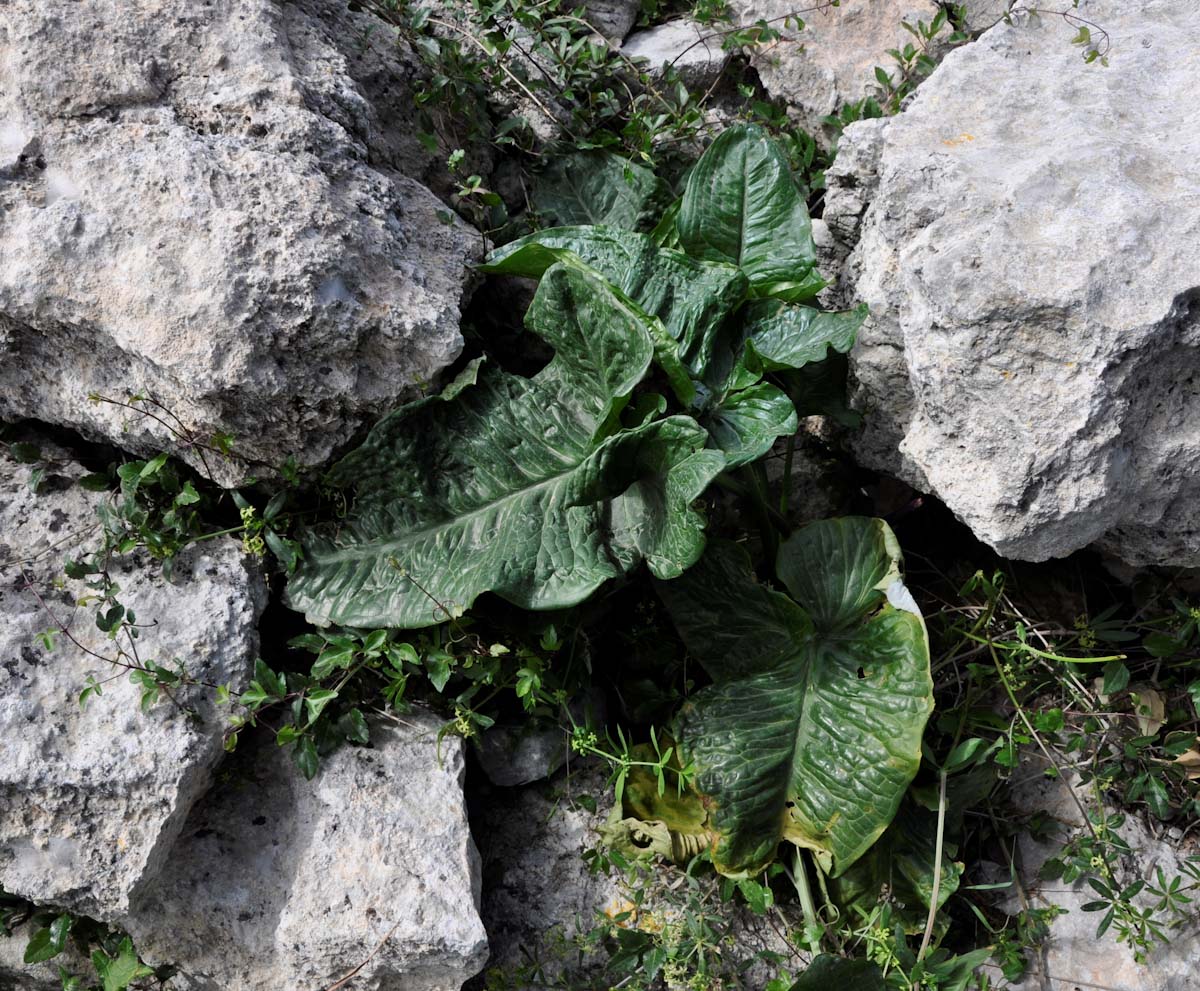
(937, 867)
(812, 923)
(786, 495)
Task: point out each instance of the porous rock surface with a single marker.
(689, 48)
(278, 882)
(1072, 955)
(832, 60)
(612, 18)
(211, 204)
(92, 797)
(1031, 258)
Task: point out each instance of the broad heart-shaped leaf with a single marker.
(811, 730)
(598, 187)
(742, 206)
(527, 488)
(692, 299)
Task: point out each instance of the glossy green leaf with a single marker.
(528, 488)
(117, 973)
(746, 423)
(598, 187)
(811, 730)
(691, 298)
(50, 941)
(742, 206)
(782, 336)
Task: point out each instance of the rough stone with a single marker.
(612, 18)
(210, 204)
(278, 882)
(831, 62)
(91, 798)
(518, 755)
(1073, 955)
(690, 48)
(979, 15)
(1031, 257)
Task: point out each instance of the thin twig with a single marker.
(383, 942)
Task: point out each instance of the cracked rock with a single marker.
(213, 205)
(1031, 259)
(278, 882)
(832, 60)
(92, 797)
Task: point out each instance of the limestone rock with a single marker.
(979, 15)
(612, 18)
(210, 204)
(1031, 257)
(831, 62)
(690, 48)
(278, 882)
(91, 798)
(1072, 953)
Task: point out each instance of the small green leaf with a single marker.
(117, 973)
(437, 664)
(353, 726)
(316, 701)
(1116, 677)
(49, 942)
(25, 454)
(306, 757)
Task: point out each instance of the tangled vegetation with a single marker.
(841, 760)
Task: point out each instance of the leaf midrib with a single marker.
(362, 548)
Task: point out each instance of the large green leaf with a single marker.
(742, 206)
(598, 187)
(745, 424)
(811, 730)
(528, 488)
(782, 336)
(693, 299)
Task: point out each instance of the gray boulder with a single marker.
(612, 18)
(691, 49)
(278, 882)
(831, 62)
(1031, 257)
(211, 205)
(92, 797)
